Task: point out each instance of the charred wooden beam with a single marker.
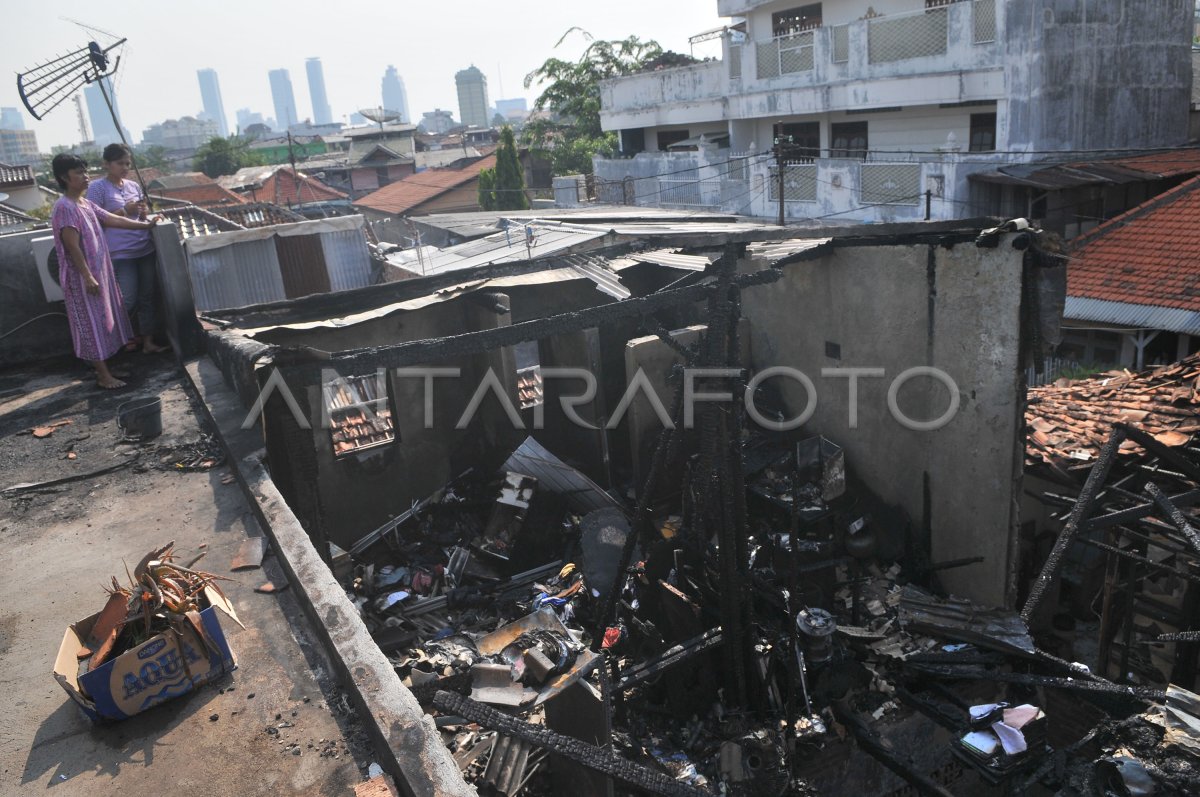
(669, 658)
(580, 752)
(1175, 515)
(1080, 514)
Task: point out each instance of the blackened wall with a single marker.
(1097, 74)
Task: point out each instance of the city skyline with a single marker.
(472, 97)
(283, 98)
(153, 62)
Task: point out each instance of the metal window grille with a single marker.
(735, 62)
(899, 38)
(799, 183)
(890, 184)
(841, 44)
(796, 53)
(768, 59)
(739, 169)
(983, 19)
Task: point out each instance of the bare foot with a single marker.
(109, 383)
(149, 347)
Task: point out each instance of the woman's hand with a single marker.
(90, 285)
(132, 209)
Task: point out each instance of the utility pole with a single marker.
(779, 142)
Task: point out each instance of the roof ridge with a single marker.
(1150, 205)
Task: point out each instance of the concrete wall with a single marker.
(1098, 74)
(22, 300)
(896, 307)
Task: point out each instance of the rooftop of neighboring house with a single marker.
(193, 221)
(406, 195)
(205, 194)
(285, 186)
(14, 219)
(379, 155)
(180, 180)
(258, 214)
(16, 176)
(1148, 256)
(375, 131)
(1053, 177)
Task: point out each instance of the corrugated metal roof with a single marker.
(1137, 316)
(777, 251)
(501, 247)
(347, 259)
(672, 258)
(596, 269)
(581, 493)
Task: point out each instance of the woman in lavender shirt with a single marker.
(99, 325)
(132, 251)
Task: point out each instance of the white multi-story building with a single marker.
(883, 109)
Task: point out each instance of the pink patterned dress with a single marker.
(99, 324)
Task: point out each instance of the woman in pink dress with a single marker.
(99, 323)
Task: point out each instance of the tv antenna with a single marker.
(380, 115)
(44, 87)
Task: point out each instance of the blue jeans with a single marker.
(138, 279)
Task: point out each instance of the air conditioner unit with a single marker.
(47, 265)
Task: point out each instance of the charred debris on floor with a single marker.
(751, 620)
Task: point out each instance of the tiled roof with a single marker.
(1068, 423)
(405, 195)
(193, 221)
(286, 187)
(11, 176)
(1148, 255)
(12, 217)
(1164, 164)
(258, 214)
(203, 195)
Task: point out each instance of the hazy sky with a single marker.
(427, 41)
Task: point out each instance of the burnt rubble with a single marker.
(504, 604)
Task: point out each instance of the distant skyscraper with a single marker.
(472, 97)
(285, 101)
(357, 118)
(210, 94)
(247, 117)
(395, 98)
(322, 114)
(437, 121)
(104, 132)
(11, 119)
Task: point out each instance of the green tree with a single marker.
(509, 181)
(154, 156)
(220, 156)
(487, 189)
(571, 133)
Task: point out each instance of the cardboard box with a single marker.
(165, 666)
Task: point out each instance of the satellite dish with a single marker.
(381, 115)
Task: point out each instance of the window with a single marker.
(801, 141)
(796, 20)
(668, 137)
(359, 413)
(633, 141)
(848, 140)
(983, 132)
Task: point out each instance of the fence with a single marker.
(902, 37)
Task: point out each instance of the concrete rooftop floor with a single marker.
(59, 548)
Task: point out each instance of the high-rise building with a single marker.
(395, 98)
(322, 114)
(104, 132)
(437, 121)
(472, 97)
(19, 148)
(11, 119)
(210, 94)
(513, 110)
(247, 117)
(285, 100)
